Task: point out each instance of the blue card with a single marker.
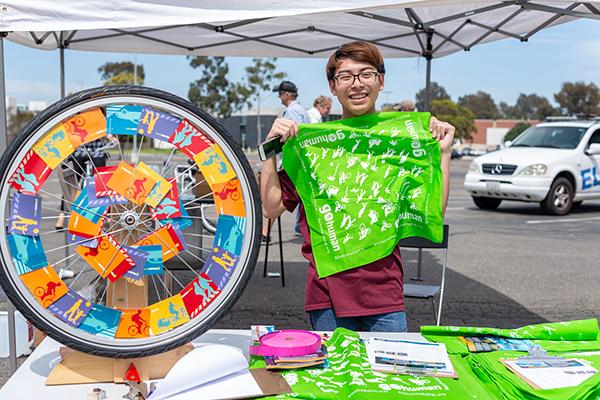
(81, 205)
(180, 222)
(154, 263)
(220, 266)
(27, 253)
(101, 321)
(25, 214)
(122, 119)
(230, 233)
(140, 257)
(71, 308)
(157, 124)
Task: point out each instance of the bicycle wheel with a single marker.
(136, 263)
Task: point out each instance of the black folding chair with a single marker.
(422, 291)
(281, 272)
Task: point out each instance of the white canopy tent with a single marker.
(303, 28)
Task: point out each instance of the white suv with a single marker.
(554, 163)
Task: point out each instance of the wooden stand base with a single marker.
(76, 367)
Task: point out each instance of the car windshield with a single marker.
(557, 137)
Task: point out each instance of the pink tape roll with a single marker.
(287, 343)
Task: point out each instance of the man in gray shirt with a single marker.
(288, 93)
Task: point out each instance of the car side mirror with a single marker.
(593, 149)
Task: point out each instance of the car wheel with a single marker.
(560, 197)
(486, 203)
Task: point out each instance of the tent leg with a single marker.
(12, 338)
(3, 127)
(428, 54)
(62, 72)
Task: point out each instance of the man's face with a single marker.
(358, 97)
(324, 108)
(284, 97)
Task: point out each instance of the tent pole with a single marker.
(428, 56)
(12, 339)
(62, 71)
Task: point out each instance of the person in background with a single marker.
(321, 108)
(406, 105)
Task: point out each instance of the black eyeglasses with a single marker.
(364, 78)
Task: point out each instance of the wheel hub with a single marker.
(129, 220)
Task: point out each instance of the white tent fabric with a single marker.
(302, 28)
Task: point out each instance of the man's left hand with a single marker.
(443, 132)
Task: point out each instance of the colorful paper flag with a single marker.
(198, 294)
(106, 258)
(134, 323)
(157, 124)
(230, 233)
(122, 119)
(154, 261)
(82, 226)
(27, 253)
(45, 285)
(85, 127)
(220, 266)
(134, 184)
(71, 308)
(101, 321)
(166, 237)
(169, 206)
(25, 214)
(214, 165)
(167, 314)
(159, 190)
(228, 198)
(190, 139)
(54, 147)
(31, 174)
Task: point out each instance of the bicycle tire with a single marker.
(13, 282)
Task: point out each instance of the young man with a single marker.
(321, 108)
(370, 297)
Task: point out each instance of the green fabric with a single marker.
(579, 335)
(498, 379)
(366, 183)
(350, 377)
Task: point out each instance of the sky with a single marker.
(505, 68)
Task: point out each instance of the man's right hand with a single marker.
(285, 128)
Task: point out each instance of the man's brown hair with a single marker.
(357, 51)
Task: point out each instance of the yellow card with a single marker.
(167, 314)
(45, 285)
(106, 257)
(82, 226)
(228, 198)
(86, 127)
(214, 165)
(54, 147)
(160, 189)
(167, 238)
(131, 183)
(134, 323)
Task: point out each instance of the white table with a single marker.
(29, 380)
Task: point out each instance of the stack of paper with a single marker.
(318, 359)
(409, 357)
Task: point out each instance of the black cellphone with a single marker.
(270, 148)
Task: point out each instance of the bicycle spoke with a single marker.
(83, 241)
(73, 204)
(199, 235)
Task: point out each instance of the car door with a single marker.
(590, 168)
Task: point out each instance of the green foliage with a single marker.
(116, 73)
(516, 131)
(481, 103)
(17, 122)
(462, 118)
(437, 92)
(260, 76)
(213, 92)
(532, 106)
(578, 98)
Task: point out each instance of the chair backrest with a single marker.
(419, 242)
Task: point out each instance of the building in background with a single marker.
(490, 132)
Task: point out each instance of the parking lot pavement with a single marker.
(506, 268)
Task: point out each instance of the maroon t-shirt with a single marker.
(375, 288)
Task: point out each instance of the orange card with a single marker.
(45, 285)
(214, 165)
(167, 238)
(132, 183)
(107, 257)
(167, 314)
(82, 226)
(54, 147)
(228, 198)
(134, 323)
(86, 127)
(160, 189)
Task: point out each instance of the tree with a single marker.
(213, 92)
(578, 98)
(481, 103)
(17, 122)
(507, 111)
(436, 91)
(532, 106)
(516, 131)
(462, 118)
(115, 73)
(260, 76)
